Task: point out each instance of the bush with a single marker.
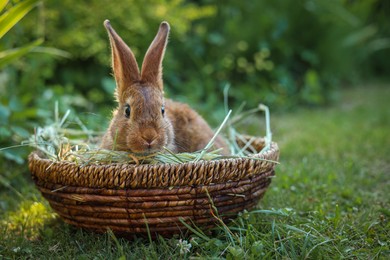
(283, 53)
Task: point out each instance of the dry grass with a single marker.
(59, 142)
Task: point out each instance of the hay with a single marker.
(59, 142)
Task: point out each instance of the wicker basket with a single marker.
(130, 199)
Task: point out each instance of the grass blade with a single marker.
(208, 146)
(10, 55)
(52, 51)
(268, 136)
(3, 4)
(196, 232)
(14, 15)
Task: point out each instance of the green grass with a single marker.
(330, 198)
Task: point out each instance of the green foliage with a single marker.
(282, 53)
(82, 34)
(137, 21)
(13, 15)
(8, 19)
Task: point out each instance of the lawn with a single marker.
(330, 198)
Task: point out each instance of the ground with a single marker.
(329, 198)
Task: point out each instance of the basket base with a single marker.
(154, 211)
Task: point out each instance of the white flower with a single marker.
(184, 246)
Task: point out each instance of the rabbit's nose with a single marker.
(149, 136)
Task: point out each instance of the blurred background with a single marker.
(286, 54)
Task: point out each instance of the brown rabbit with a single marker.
(145, 123)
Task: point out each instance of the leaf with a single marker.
(10, 55)
(378, 44)
(4, 113)
(13, 156)
(20, 131)
(4, 133)
(361, 36)
(3, 4)
(14, 15)
(52, 51)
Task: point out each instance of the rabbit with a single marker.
(145, 122)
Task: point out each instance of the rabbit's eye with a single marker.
(127, 111)
(163, 110)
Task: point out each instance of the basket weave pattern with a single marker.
(132, 199)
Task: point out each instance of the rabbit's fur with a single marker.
(144, 122)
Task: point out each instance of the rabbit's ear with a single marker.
(151, 71)
(124, 65)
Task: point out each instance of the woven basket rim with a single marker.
(124, 175)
